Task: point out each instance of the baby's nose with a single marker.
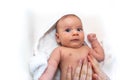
(75, 33)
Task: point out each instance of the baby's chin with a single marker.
(75, 46)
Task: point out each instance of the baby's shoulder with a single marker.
(86, 48)
(59, 48)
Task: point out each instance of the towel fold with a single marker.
(38, 64)
(42, 51)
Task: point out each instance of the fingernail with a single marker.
(88, 57)
(89, 63)
(85, 59)
(69, 66)
(80, 61)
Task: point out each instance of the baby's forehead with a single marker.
(66, 17)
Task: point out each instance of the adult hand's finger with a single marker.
(77, 71)
(100, 75)
(96, 77)
(94, 63)
(89, 72)
(84, 70)
(69, 72)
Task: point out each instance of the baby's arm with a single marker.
(97, 50)
(52, 65)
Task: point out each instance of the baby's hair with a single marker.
(63, 17)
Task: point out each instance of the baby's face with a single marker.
(70, 32)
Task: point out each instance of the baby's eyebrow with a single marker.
(68, 26)
(79, 27)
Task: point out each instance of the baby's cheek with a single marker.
(65, 41)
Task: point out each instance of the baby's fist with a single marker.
(91, 37)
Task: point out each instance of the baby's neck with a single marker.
(76, 47)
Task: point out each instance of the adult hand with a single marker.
(98, 73)
(83, 71)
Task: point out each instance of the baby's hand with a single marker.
(91, 37)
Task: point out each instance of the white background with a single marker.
(17, 29)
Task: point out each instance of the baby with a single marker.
(70, 37)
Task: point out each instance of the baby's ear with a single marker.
(57, 38)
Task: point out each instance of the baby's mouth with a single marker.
(75, 40)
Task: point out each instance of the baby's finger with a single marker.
(84, 70)
(77, 71)
(89, 72)
(69, 72)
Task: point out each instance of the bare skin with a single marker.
(71, 57)
(86, 73)
(70, 36)
(83, 71)
(98, 74)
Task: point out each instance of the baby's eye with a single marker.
(79, 29)
(67, 30)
